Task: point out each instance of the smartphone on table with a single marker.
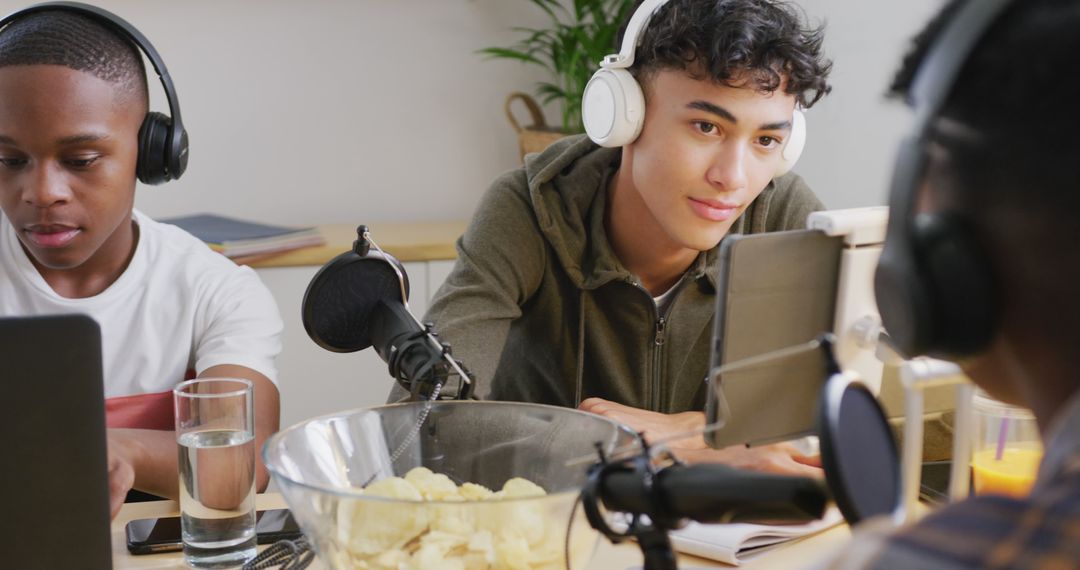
(151, 536)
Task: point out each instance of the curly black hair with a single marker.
(725, 39)
(75, 41)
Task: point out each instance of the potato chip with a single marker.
(467, 527)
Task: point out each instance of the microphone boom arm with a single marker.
(418, 361)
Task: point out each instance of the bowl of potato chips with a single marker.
(443, 485)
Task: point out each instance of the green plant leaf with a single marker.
(549, 92)
(580, 33)
(550, 6)
(580, 8)
(509, 54)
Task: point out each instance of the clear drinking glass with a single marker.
(1007, 448)
(216, 440)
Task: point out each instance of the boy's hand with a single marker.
(780, 458)
(653, 425)
(121, 472)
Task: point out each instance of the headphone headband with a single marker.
(943, 61)
(632, 36)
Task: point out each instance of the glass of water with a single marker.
(215, 434)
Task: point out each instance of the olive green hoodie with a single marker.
(539, 308)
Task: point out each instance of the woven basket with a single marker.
(537, 136)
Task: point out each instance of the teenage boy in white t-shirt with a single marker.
(73, 95)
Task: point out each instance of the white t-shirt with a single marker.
(663, 301)
(178, 309)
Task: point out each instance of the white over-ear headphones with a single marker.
(613, 105)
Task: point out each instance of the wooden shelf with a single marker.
(407, 241)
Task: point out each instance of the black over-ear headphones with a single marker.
(163, 142)
(934, 287)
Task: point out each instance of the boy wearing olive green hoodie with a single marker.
(587, 278)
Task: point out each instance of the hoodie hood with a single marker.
(568, 188)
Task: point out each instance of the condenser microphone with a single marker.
(658, 500)
(713, 493)
(359, 299)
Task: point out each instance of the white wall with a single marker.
(347, 111)
(854, 131)
(334, 111)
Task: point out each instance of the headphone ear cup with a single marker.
(793, 147)
(177, 153)
(960, 285)
(613, 108)
(904, 299)
(152, 164)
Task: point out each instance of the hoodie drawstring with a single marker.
(580, 348)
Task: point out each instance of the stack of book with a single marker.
(245, 241)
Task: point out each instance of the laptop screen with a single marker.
(54, 478)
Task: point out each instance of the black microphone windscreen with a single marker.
(339, 299)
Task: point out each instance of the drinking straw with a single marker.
(1001, 438)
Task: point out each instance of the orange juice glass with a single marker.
(1007, 450)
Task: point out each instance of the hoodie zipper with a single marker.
(658, 377)
(652, 373)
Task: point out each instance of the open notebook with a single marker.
(738, 542)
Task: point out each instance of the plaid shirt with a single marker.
(1042, 531)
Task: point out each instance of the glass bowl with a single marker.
(323, 465)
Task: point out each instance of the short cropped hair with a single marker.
(75, 41)
(726, 39)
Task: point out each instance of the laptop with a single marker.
(54, 492)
